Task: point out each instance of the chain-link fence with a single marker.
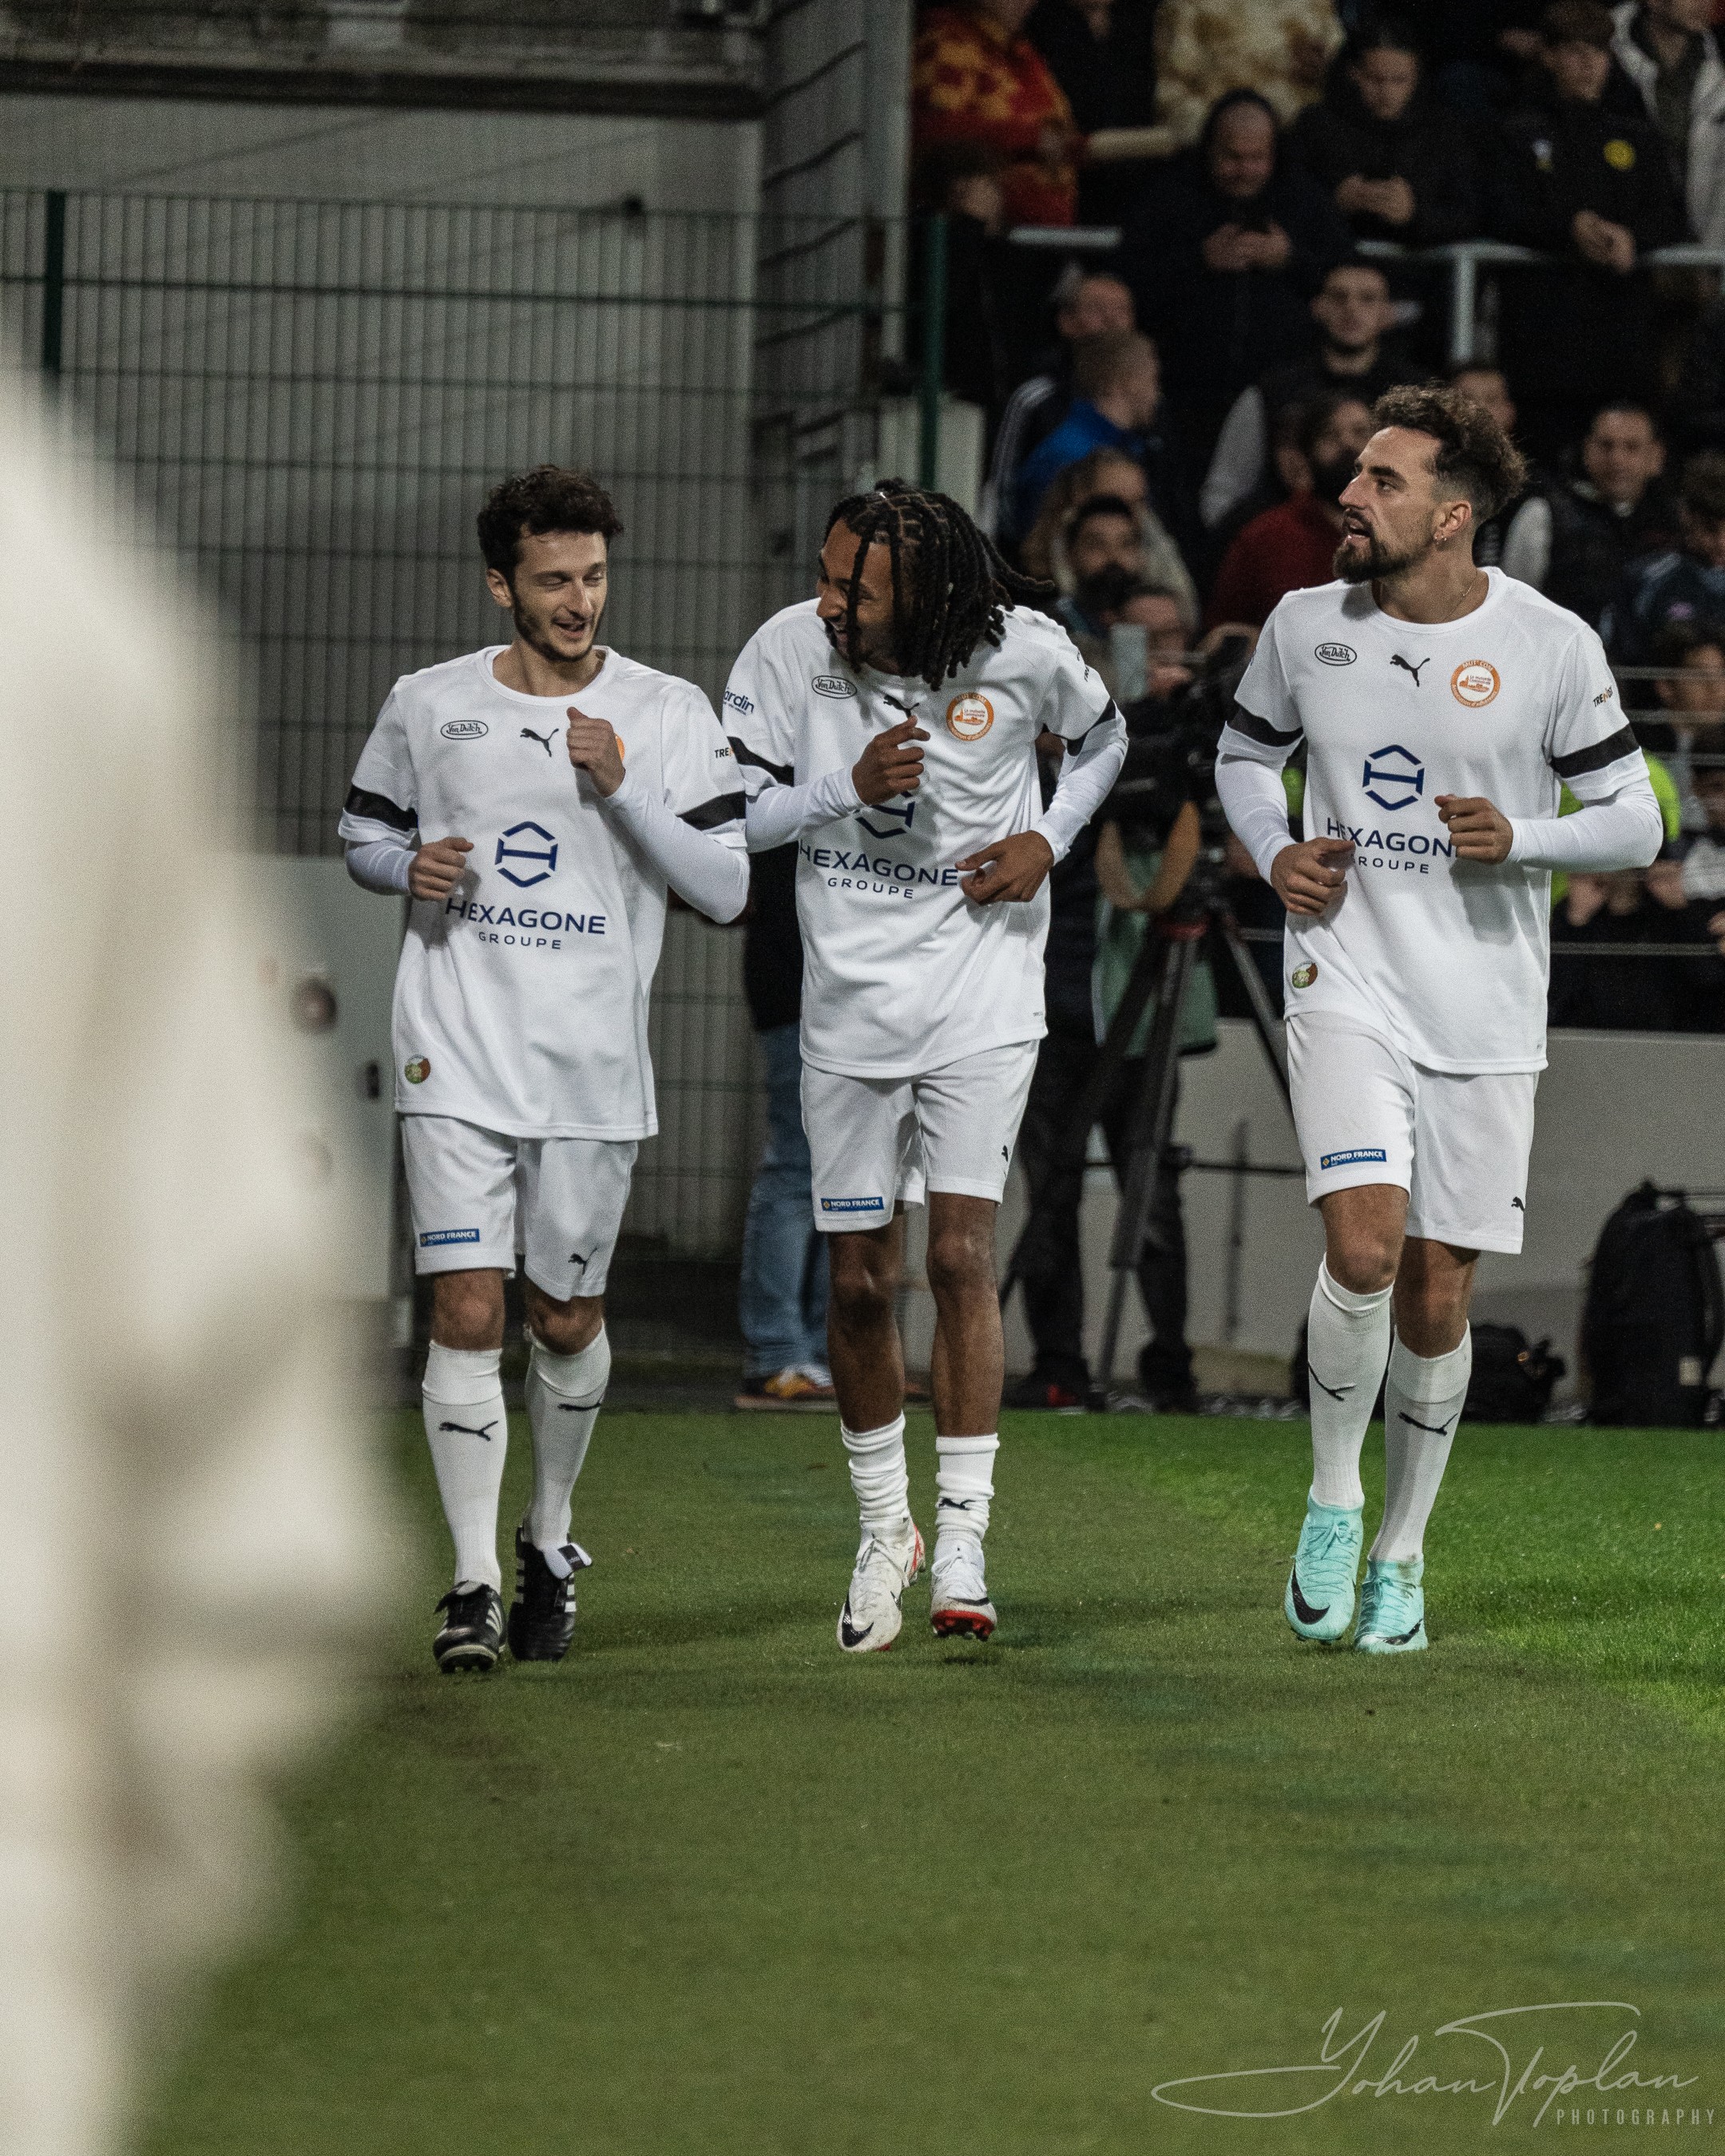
(312, 399)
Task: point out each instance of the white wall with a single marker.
(363, 153)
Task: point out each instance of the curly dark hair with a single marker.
(1474, 455)
(950, 589)
(549, 498)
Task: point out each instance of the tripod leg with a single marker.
(1158, 1099)
(1265, 1022)
(1141, 985)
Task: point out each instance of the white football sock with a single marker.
(879, 1477)
(965, 1479)
(467, 1428)
(564, 1395)
(1346, 1345)
(1422, 1404)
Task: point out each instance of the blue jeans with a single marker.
(782, 1300)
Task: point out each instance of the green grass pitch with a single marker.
(711, 1886)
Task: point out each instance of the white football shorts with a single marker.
(1456, 1143)
(480, 1198)
(876, 1140)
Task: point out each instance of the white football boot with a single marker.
(871, 1617)
(959, 1606)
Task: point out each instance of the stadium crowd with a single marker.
(1175, 403)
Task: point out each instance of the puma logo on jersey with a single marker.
(1517, 1205)
(467, 1430)
(577, 1259)
(1408, 666)
(544, 741)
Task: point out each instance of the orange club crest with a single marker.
(970, 716)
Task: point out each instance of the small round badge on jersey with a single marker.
(1302, 977)
(1474, 683)
(417, 1072)
(969, 716)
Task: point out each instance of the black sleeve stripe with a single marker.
(1076, 741)
(782, 771)
(1260, 730)
(379, 810)
(722, 809)
(1612, 750)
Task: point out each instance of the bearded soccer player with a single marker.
(1443, 707)
(536, 836)
(889, 726)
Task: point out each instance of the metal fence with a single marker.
(312, 399)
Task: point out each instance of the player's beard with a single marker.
(1377, 562)
(536, 638)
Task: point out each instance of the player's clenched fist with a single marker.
(1011, 869)
(1479, 833)
(890, 764)
(437, 868)
(593, 748)
(1307, 876)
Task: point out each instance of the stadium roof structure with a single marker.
(697, 59)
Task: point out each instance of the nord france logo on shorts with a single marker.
(1396, 770)
(853, 1204)
(969, 716)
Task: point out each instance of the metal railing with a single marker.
(311, 399)
(1462, 263)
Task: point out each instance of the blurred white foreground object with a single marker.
(187, 1509)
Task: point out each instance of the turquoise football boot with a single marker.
(1392, 1607)
(1319, 1600)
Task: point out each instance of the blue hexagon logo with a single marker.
(546, 855)
(1397, 772)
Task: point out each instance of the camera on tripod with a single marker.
(1171, 755)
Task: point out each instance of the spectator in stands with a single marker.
(1112, 531)
(1693, 698)
(1203, 52)
(1593, 187)
(1294, 545)
(1704, 862)
(1106, 472)
(1635, 993)
(1117, 405)
(1575, 535)
(782, 1294)
(1090, 303)
(975, 78)
(1103, 55)
(1479, 51)
(1670, 51)
(961, 182)
(1687, 584)
(1228, 244)
(1490, 386)
(1354, 313)
(1398, 165)
(1114, 597)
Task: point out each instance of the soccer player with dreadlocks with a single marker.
(889, 726)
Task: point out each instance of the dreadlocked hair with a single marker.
(950, 587)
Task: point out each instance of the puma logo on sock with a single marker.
(467, 1430)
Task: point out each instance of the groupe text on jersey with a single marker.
(520, 1001)
(1448, 958)
(902, 973)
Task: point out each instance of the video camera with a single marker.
(1171, 754)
